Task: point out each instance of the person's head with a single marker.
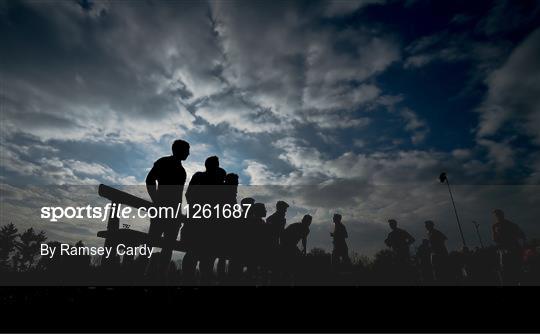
(211, 163)
(259, 210)
(180, 149)
(499, 214)
(429, 225)
(307, 219)
(392, 223)
(231, 179)
(281, 206)
(244, 203)
(247, 201)
(337, 218)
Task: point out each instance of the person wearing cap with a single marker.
(508, 238)
(340, 254)
(439, 252)
(278, 221)
(399, 241)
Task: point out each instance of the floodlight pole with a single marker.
(476, 226)
(455, 211)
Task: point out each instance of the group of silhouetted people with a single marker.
(165, 184)
(433, 259)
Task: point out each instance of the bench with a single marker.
(248, 242)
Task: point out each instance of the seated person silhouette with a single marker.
(399, 241)
(340, 254)
(165, 185)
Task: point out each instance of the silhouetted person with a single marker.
(236, 265)
(439, 253)
(259, 241)
(230, 190)
(204, 189)
(508, 238)
(278, 220)
(202, 186)
(292, 235)
(247, 213)
(165, 185)
(229, 193)
(340, 254)
(423, 259)
(258, 211)
(399, 241)
(295, 233)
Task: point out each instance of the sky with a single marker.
(353, 106)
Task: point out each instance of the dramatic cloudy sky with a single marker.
(364, 102)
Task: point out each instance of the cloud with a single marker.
(415, 125)
(344, 7)
(514, 92)
(452, 47)
(515, 15)
(295, 73)
(501, 154)
(300, 94)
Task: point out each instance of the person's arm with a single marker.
(304, 244)
(387, 241)
(151, 180)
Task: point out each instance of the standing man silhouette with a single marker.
(340, 254)
(399, 241)
(165, 185)
(205, 189)
(508, 237)
(439, 253)
(278, 221)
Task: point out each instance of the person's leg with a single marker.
(221, 267)
(189, 266)
(511, 267)
(435, 267)
(155, 232)
(171, 229)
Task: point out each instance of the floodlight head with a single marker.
(443, 178)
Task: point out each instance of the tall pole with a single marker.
(477, 225)
(444, 178)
